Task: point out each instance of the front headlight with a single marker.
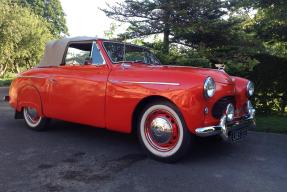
(250, 89)
(209, 87)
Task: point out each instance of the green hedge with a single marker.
(5, 82)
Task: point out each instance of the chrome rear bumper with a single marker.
(224, 127)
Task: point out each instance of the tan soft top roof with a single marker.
(55, 50)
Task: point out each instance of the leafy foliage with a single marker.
(148, 17)
(270, 76)
(51, 11)
(23, 36)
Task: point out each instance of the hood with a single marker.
(217, 75)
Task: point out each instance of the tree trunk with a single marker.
(3, 70)
(16, 68)
(166, 39)
(166, 32)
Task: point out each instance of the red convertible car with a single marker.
(124, 88)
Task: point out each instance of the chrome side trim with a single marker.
(151, 82)
(26, 76)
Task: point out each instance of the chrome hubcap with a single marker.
(161, 130)
(32, 115)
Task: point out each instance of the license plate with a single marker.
(238, 134)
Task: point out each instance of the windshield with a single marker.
(119, 52)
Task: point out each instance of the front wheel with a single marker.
(33, 120)
(163, 132)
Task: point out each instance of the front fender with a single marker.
(123, 96)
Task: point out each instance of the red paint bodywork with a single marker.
(104, 96)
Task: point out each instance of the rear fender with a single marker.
(29, 96)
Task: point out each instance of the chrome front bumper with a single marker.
(224, 128)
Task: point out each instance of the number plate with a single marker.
(238, 134)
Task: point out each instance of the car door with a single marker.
(78, 88)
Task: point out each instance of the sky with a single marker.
(85, 19)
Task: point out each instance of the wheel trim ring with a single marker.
(149, 135)
(180, 130)
(32, 122)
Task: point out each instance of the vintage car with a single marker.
(123, 87)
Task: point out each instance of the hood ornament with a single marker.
(220, 67)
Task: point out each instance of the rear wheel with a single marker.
(33, 120)
(163, 132)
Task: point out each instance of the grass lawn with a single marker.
(5, 82)
(274, 124)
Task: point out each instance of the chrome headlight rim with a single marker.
(209, 87)
(250, 89)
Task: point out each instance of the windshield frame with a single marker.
(120, 62)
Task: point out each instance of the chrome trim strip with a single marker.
(151, 82)
(27, 76)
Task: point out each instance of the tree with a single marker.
(147, 17)
(52, 11)
(270, 22)
(23, 36)
(269, 25)
(270, 76)
(110, 33)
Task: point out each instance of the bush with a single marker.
(23, 36)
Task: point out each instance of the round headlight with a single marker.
(250, 89)
(229, 112)
(209, 87)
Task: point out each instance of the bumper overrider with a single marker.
(230, 129)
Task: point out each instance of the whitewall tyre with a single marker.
(33, 120)
(163, 132)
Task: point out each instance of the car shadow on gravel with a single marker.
(212, 148)
(201, 148)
